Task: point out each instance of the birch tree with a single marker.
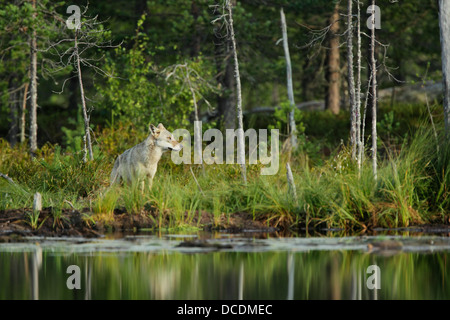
(33, 85)
(290, 89)
(23, 113)
(359, 136)
(373, 64)
(444, 24)
(351, 80)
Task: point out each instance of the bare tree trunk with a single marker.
(33, 88)
(374, 96)
(366, 106)
(291, 183)
(444, 24)
(197, 137)
(359, 138)
(23, 111)
(333, 64)
(13, 112)
(351, 80)
(290, 89)
(87, 133)
(240, 136)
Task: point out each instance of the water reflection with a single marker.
(39, 272)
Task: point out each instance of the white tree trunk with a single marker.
(359, 137)
(33, 88)
(22, 116)
(37, 202)
(351, 79)
(240, 136)
(291, 183)
(374, 96)
(87, 133)
(290, 89)
(444, 24)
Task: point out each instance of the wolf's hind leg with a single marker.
(115, 176)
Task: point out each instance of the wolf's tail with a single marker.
(115, 172)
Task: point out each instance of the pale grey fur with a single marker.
(139, 164)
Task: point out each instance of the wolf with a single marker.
(139, 164)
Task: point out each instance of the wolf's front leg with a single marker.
(148, 181)
(142, 186)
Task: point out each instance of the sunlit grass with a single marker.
(412, 188)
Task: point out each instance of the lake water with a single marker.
(250, 266)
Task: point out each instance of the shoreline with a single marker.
(15, 224)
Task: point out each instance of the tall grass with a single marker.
(412, 188)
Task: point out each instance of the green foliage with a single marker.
(412, 188)
(387, 128)
(154, 74)
(142, 93)
(73, 138)
(281, 116)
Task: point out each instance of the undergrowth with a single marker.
(412, 187)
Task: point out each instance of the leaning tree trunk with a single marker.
(444, 24)
(374, 94)
(23, 112)
(240, 137)
(33, 88)
(290, 89)
(13, 112)
(87, 133)
(333, 64)
(351, 80)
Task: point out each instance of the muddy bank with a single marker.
(17, 223)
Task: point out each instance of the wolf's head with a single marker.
(164, 139)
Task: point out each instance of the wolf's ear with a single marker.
(160, 126)
(154, 130)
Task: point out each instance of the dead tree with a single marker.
(351, 80)
(291, 183)
(87, 132)
(359, 136)
(13, 109)
(87, 34)
(444, 24)
(290, 89)
(23, 111)
(33, 86)
(373, 63)
(227, 18)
